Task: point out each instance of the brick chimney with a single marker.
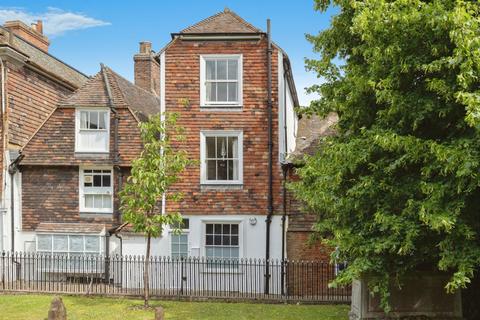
(147, 69)
(33, 34)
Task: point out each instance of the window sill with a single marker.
(222, 186)
(221, 108)
(88, 214)
(92, 154)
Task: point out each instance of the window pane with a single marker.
(232, 147)
(211, 170)
(235, 253)
(76, 243)
(92, 243)
(89, 200)
(209, 228)
(209, 240)
(93, 120)
(60, 243)
(226, 240)
(221, 69)
(222, 94)
(44, 242)
(83, 119)
(97, 201)
(106, 180)
(217, 240)
(218, 228)
(232, 69)
(88, 180)
(234, 241)
(226, 229)
(233, 169)
(210, 143)
(210, 66)
(232, 91)
(211, 94)
(210, 252)
(234, 228)
(221, 147)
(102, 120)
(97, 180)
(107, 202)
(222, 170)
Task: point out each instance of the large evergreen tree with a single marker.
(398, 189)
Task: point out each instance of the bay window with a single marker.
(92, 128)
(96, 190)
(221, 155)
(221, 80)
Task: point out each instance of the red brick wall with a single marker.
(183, 82)
(50, 194)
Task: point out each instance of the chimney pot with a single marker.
(145, 47)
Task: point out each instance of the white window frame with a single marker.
(241, 236)
(77, 130)
(183, 231)
(203, 81)
(203, 162)
(81, 189)
(68, 251)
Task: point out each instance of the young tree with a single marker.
(151, 179)
(397, 189)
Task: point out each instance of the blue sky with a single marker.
(85, 33)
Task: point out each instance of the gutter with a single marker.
(268, 220)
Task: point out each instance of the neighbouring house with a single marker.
(73, 167)
(32, 81)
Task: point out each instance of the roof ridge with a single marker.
(218, 14)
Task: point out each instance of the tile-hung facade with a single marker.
(32, 82)
(214, 75)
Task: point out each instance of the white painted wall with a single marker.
(252, 237)
(287, 117)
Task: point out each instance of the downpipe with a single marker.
(2, 79)
(268, 220)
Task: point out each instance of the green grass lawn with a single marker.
(33, 307)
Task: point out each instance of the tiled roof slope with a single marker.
(226, 21)
(311, 130)
(124, 93)
(54, 142)
(43, 59)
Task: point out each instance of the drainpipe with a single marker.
(115, 136)
(12, 169)
(268, 220)
(285, 171)
(2, 79)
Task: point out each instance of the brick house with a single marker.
(73, 167)
(32, 82)
(215, 75)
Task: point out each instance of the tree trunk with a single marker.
(146, 274)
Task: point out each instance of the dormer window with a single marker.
(92, 130)
(221, 80)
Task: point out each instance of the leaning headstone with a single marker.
(159, 313)
(57, 310)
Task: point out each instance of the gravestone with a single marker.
(422, 296)
(57, 310)
(159, 313)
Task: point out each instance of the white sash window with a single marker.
(221, 80)
(96, 190)
(92, 128)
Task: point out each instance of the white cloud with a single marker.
(55, 21)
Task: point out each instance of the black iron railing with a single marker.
(242, 279)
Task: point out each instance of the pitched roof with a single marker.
(43, 60)
(311, 131)
(226, 21)
(71, 227)
(124, 95)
